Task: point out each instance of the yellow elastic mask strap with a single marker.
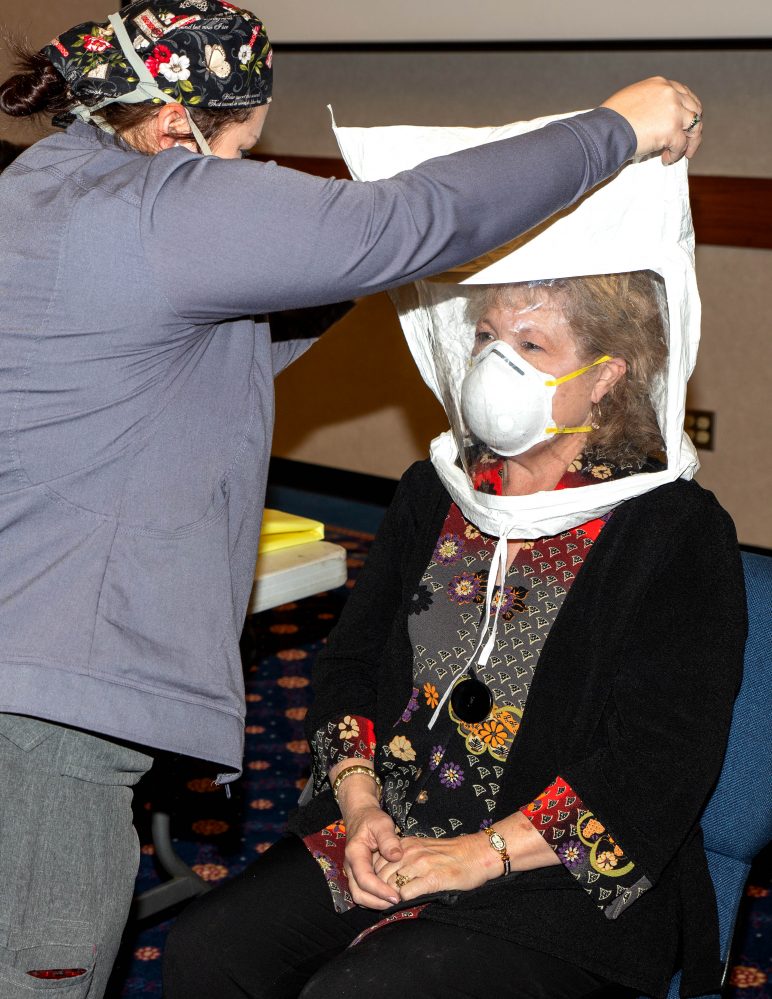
(568, 430)
(567, 378)
(575, 374)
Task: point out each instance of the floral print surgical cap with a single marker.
(201, 53)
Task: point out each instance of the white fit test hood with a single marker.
(639, 220)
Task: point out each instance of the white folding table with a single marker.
(297, 572)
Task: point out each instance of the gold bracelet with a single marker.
(358, 769)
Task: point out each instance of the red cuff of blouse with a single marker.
(586, 849)
(344, 738)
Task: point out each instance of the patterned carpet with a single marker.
(218, 836)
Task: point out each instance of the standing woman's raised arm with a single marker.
(304, 241)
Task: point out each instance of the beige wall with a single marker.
(733, 378)
(355, 401)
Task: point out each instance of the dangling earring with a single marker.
(595, 417)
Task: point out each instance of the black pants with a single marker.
(272, 933)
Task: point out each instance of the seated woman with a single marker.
(512, 741)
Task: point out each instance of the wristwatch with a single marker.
(499, 844)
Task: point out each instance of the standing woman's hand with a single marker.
(370, 835)
(664, 114)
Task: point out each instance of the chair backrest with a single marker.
(737, 821)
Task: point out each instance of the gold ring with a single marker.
(694, 122)
(401, 880)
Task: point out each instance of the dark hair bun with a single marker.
(36, 88)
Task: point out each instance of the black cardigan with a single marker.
(631, 704)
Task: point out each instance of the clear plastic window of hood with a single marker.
(498, 349)
(496, 414)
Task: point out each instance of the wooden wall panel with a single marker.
(732, 211)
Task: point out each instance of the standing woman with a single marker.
(136, 410)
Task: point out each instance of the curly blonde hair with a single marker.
(622, 315)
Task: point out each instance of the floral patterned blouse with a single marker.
(456, 790)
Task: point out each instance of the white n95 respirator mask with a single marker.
(507, 402)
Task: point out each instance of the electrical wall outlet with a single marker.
(700, 426)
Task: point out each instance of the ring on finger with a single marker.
(696, 119)
(400, 880)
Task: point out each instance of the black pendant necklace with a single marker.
(471, 701)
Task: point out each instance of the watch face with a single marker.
(497, 842)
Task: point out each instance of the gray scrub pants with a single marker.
(68, 857)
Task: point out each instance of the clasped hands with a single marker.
(384, 869)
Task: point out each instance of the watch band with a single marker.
(499, 844)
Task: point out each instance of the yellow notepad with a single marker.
(283, 530)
